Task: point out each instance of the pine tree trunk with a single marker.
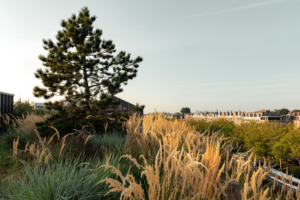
(87, 90)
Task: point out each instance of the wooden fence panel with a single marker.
(6, 107)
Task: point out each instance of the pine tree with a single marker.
(85, 70)
(138, 109)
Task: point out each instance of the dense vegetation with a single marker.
(265, 139)
(155, 162)
(22, 108)
(185, 110)
(269, 139)
(283, 111)
(222, 125)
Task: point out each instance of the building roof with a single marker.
(6, 93)
(39, 104)
(271, 114)
(65, 104)
(43, 104)
(117, 98)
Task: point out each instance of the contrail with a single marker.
(236, 88)
(209, 13)
(236, 8)
(208, 84)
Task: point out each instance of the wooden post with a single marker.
(233, 191)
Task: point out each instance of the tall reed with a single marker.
(25, 124)
(186, 164)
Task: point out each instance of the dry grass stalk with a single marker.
(15, 146)
(88, 139)
(56, 133)
(63, 143)
(42, 150)
(24, 124)
(106, 127)
(179, 167)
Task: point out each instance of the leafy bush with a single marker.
(223, 125)
(24, 107)
(268, 139)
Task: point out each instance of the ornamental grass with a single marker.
(24, 124)
(181, 163)
(64, 178)
(161, 160)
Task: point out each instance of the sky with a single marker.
(205, 55)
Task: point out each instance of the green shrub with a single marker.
(24, 107)
(223, 125)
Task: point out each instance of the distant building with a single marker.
(173, 116)
(124, 106)
(238, 117)
(42, 105)
(297, 120)
(39, 105)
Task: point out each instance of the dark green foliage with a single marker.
(11, 135)
(185, 110)
(22, 108)
(283, 111)
(222, 125)
(77, 146)
(86, 71)
(138, 109)
(8, 140)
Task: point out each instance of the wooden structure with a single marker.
(6, 107)
(124, 106)
(233, 191)
(283, 179)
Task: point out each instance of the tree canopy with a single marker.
(283, 111)
(138, 109)
(185, 110)
(86, 70)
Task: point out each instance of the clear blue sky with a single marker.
(230, 55)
